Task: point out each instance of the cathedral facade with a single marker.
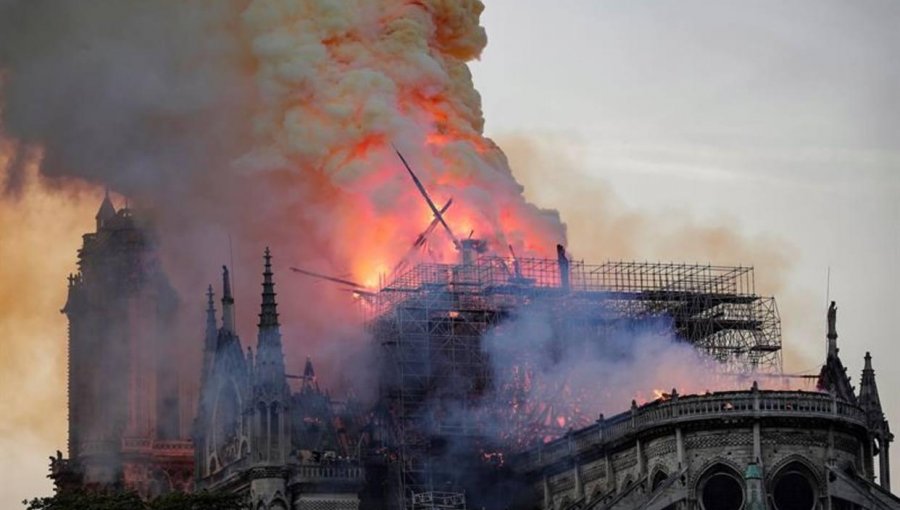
(278, 440)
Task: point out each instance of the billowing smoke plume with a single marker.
(241, 124)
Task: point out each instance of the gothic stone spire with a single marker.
(268, 314)
(878, 425)
(868, 390)
(106, 212)
(269, 353)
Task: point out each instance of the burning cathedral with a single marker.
(452, 427)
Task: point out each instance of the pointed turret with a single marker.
(224, 367)
(877, 424)
(269, 381)
(868, 390)
(106, 213)
(269, 352)
(268, 314)
(227, 302)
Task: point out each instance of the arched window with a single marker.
(262, 431)
(720, 488)
(794, 488)
(275, 428)
(658, 478)
(226, 422)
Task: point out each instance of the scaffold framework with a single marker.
(430, 321)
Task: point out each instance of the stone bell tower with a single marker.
(124, 423)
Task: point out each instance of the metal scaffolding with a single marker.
(439, 501)
(430, 321)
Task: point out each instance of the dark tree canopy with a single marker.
(81, 500)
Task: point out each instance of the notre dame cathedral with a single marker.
(126, 426)
(282, 443)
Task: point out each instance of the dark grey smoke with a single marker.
(131, 94)
(154, 100)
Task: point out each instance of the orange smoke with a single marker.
(40, 229)
(344, 84)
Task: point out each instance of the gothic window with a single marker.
(659, 478)
(275, 429)
(793, 488)
(262, 434)
(226, 421)
(721, 488)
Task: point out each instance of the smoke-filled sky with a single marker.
(764, 134)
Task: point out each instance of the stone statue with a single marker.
(832, 318)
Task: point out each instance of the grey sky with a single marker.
(777, 118)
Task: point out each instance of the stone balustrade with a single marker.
(684, 409)
(316, 473)
(143, 445)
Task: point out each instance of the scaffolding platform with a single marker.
(714, 308)
(430, 321)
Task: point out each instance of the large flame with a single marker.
(343, 83)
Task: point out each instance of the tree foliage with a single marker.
(84, 500)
